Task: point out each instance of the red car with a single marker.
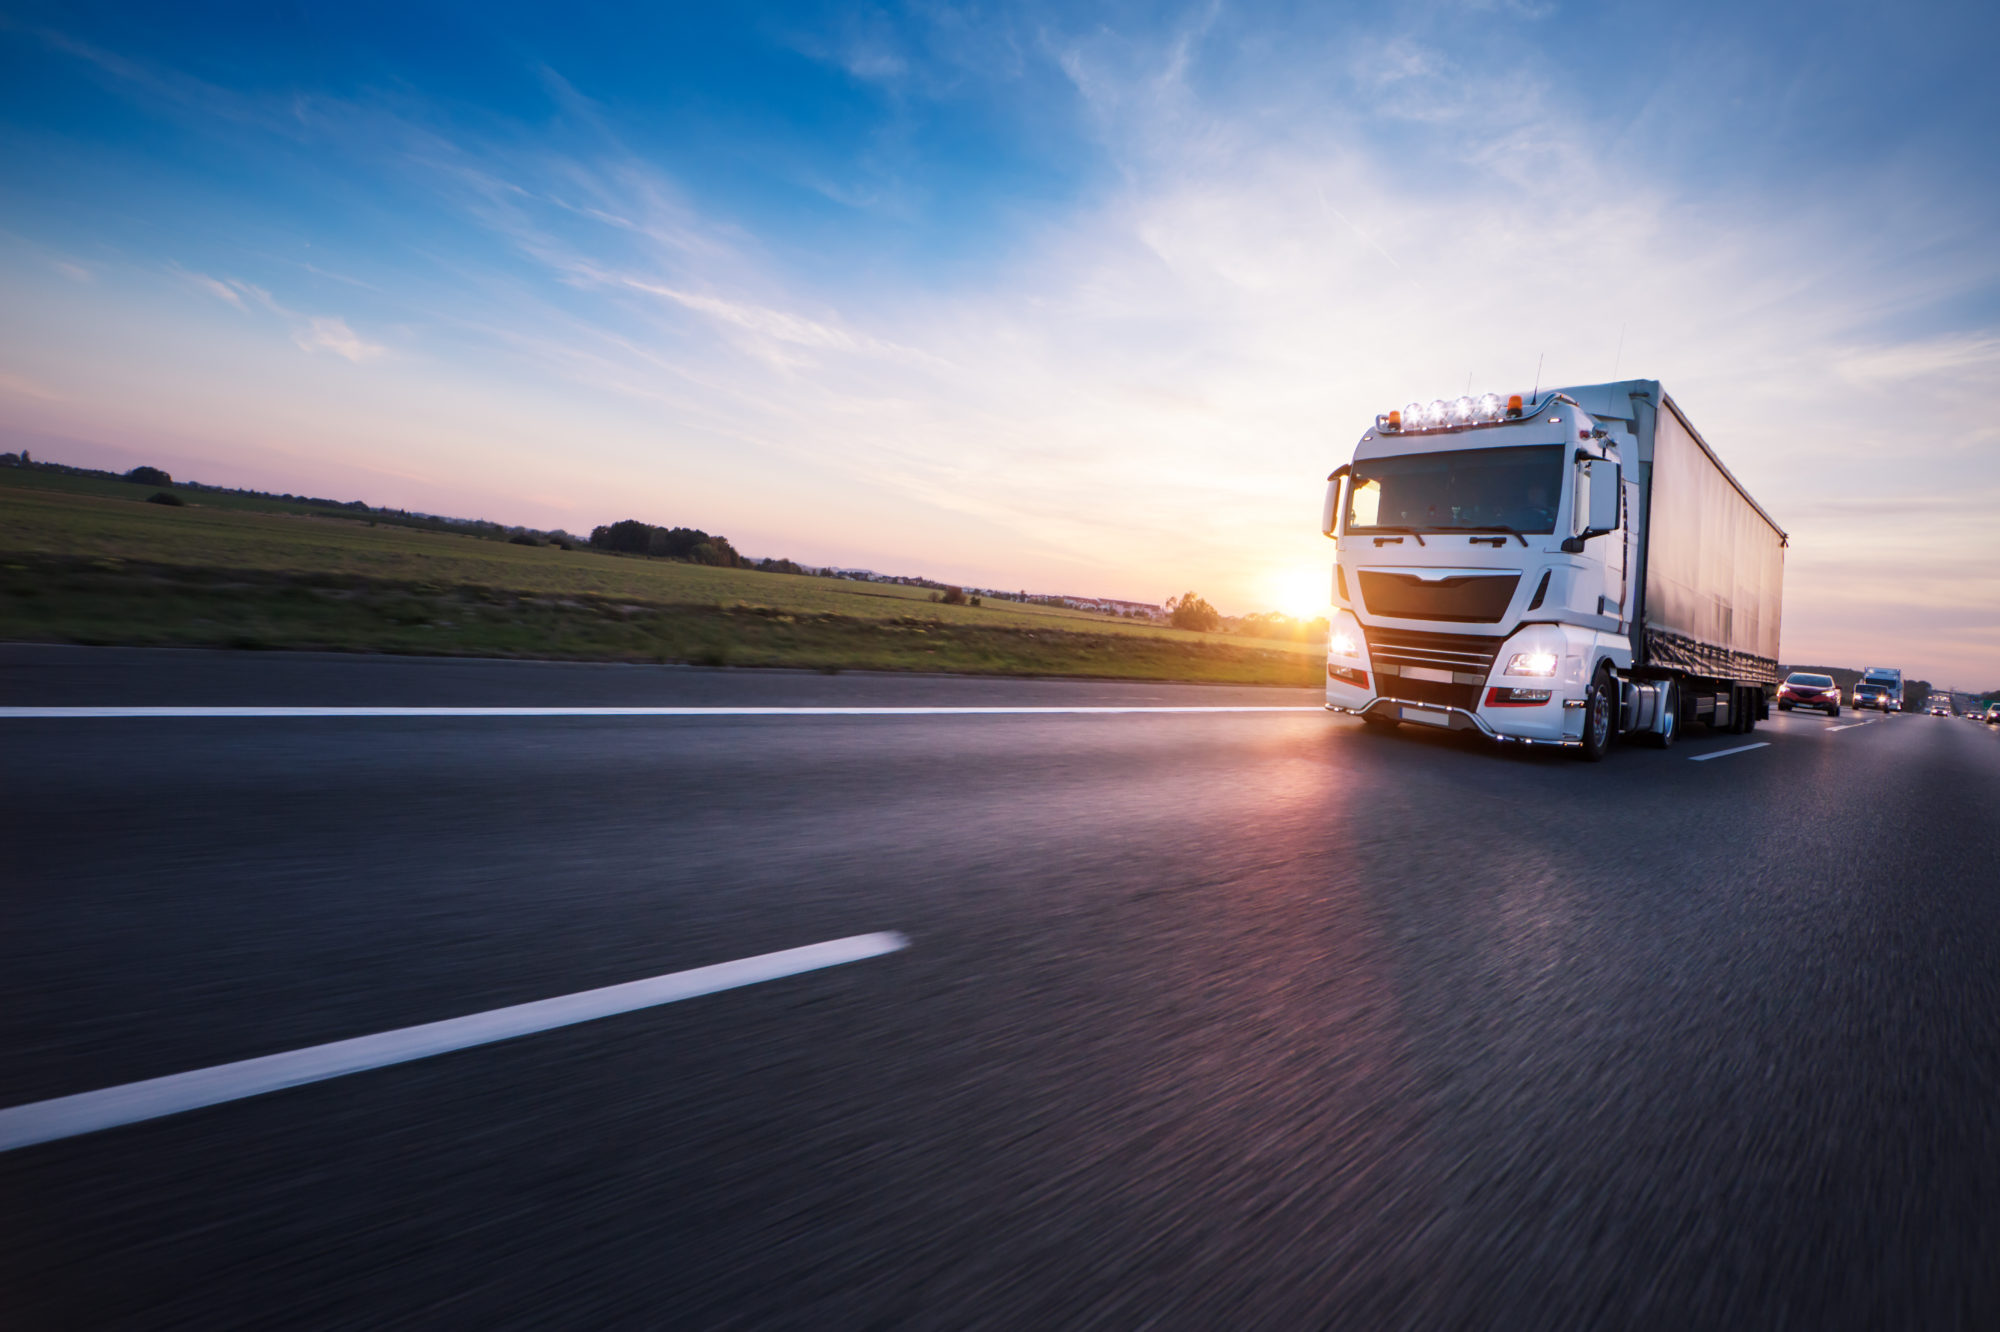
(1804, 690)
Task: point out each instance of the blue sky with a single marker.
(1083, 299)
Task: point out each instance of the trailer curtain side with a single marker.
(1714, 564)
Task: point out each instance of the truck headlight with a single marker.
(1532, 663)
(1341, 644)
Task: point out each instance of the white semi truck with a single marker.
(1555, 568)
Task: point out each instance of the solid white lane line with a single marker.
(1725, 753)
(33, 713)
(87, 1112)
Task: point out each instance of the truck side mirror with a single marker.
(1331, 509)
(1595, 511)
(1604, 497)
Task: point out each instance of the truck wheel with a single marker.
(1670, 717)
(1752, 702)
(1597, 732)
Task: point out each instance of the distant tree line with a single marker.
(690, 545)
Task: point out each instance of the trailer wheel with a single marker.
(1597, 732)
(1670, 717)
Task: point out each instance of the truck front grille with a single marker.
(1468, 658)
(1468, 598)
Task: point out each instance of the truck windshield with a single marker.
(1513, 488)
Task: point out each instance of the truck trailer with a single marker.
(1553, 568)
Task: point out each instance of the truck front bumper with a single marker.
(1435, 715)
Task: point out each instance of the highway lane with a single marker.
(1234, 1019)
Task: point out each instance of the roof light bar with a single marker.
(1438, 414)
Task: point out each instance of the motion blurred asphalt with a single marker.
(1206, 1021)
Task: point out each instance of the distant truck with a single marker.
(1556, 568)
(1939, 705)
(1882, 687)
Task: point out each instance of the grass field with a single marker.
(85, 559)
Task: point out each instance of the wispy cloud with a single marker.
(310, 333)
(1908, 363)
(780, 325)
(222, 291)
(330, 333)
(20, 386)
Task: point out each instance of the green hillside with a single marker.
(87, 559)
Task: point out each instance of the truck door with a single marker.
(1625, 557)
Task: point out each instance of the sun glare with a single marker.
(1301, 593)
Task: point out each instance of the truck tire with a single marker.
(1670, 717)
(1753, 700)
(1598, 731)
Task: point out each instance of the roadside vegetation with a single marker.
(91, 559)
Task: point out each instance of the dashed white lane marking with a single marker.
(1848, 727)
(32, 713)
(87, 1112)
(1725, 753)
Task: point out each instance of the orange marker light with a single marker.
(1395, 420)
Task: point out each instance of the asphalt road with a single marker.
(1228, 1020)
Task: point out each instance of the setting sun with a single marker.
(1300, 593)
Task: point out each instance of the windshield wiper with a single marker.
(1377, 527)
(1496, 527)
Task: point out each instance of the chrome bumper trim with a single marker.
(1473, 722)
